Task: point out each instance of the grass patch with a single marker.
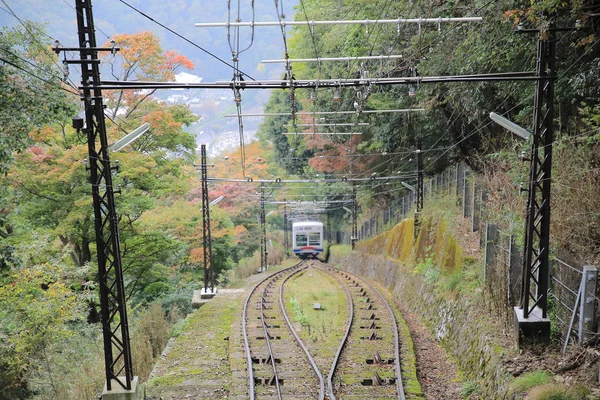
(321, 330)
(340, 251)
(528, 380)
(470, 390)
(556, 391)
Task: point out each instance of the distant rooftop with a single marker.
(184, 77)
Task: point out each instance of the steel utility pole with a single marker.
(531, 316)
(113, 308)
(263, 236)
(209, 276)
(286, 243)
(420, 192)
(354, 237)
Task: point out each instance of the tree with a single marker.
(31, 91)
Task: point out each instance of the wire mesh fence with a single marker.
(503, 261)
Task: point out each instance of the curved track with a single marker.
(280, 366)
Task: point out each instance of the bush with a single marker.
(525, 382)
(556, 391)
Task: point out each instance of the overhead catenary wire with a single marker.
(186, 39)
(34, 38)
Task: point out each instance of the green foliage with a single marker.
(31, 92)
(555, 391)
(470, 390)
(36, 311)
(529, 380)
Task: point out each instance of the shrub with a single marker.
(556, 391)
(529, 380)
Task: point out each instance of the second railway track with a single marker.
(360, 359)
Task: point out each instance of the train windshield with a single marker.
(301, 239)
(314, 239)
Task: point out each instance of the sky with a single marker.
(116, 17)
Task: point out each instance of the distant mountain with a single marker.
(114, 17)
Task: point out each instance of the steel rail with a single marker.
(399, 384)
(245, 330)
(335, 361)
(268, 338)
(313, 364)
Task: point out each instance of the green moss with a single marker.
(168, 380)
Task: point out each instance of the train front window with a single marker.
(314, 239)
(301, 239)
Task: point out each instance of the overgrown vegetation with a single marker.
(48, 278)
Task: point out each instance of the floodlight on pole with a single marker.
(269, 213)
(409, 187)
(511, 126)
(215, 201)
(129, 138)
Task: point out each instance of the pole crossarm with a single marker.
(113, 306)
(308, 114)
(310, 202)
(367, 22)
(338, 124)
(321, 83)
(331, 180)
(328, 59)
(321, 133)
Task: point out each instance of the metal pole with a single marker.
(420, 190)
(286, 244)
(354, 217)
(209, 276)
(536, 269)
(263, 236)
(115, 328)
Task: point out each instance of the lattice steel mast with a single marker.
(534, 288)
(115, 329)
(209, 276)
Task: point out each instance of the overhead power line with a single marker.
(186, 39)
(345, 59)
(324, 113)
(365, 22)
(333, 83)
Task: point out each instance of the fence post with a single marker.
(466, 197)
(491, 235)
(514, 271)
(476, 209)
(588, 304)
(459, 181)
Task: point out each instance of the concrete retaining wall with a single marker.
(454, 321)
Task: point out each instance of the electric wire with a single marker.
(38, 77)
(34, 39)
(186, 39)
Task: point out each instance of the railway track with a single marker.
(280, 365)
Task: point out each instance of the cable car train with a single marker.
(307, 238)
